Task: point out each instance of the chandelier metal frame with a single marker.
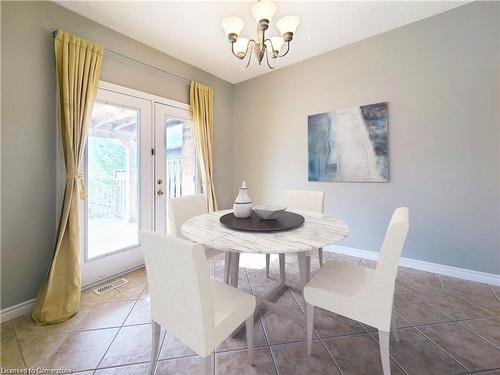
(262, 46)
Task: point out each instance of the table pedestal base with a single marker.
(266, 301)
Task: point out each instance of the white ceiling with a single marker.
(191, 31)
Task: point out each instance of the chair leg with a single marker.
(206, 364)
(383, 338)
(227, 266)
(155, 335)
(320, 256)
(393, 328)
(310, 326)
(268, 261)
(250, 334)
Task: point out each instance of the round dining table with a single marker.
(319, 230)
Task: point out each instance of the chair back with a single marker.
(181, 209)
(305, 200)
(180, 288)
(394, 240)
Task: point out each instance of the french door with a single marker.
(175, 159)
(140, 151)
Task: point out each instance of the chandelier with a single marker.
(270, 48)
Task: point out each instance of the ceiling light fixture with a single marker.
(270, 48)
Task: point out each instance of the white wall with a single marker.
(440, 78)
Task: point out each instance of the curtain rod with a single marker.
(119, 56)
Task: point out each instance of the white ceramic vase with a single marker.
(242, 206)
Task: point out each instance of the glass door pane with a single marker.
(175, 159)
(112, 180)
(180, 157)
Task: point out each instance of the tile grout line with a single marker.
(442, 349)
(118, 366)
(491, 315)
(330, 355)
(101, 328)
(454, 295)
(460, 296)
(402, 318)
(263, 326)
(493, 291)
(57, 347)
(66, 334)
(119, 329)
(177, 358)
(477, 334)
(441, 281)
(477, 318)
(478, 306)
(316, 332)
(482, 372)
(412, 326)
(435, 308)
(268, 344)
(17, 343)
(428, 324)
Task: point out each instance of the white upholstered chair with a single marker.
(195, 309)
(181, 209)
(313, 201)
(361, 293)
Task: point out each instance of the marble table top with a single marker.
(318, 231)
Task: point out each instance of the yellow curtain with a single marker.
(78, 66)
(202, 105)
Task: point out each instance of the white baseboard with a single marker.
(27, 306)
(441, 269)
(16, 310)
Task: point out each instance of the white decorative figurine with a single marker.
(242, 206)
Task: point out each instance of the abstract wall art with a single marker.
(349, 145)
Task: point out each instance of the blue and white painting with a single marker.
(349, 145)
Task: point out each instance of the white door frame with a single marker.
(118, 262)
(143, 95)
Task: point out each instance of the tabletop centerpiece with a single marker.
(263, 218)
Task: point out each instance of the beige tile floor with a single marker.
(446, 325)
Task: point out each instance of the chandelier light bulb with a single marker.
(232, 26)
(277, 43)
(264, 10)
(240, 47)
(287, 26)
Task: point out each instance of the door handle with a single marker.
(160, 193)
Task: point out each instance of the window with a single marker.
(180, 157)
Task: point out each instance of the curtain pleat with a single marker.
(202, 106)
(78, 66)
